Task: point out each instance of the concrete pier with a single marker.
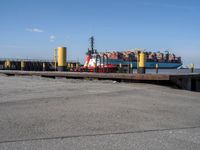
(187, 81)
(184, 81)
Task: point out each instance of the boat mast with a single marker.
(92, 50)
(92, 44)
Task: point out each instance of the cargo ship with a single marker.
(114, 59)
(164, 60)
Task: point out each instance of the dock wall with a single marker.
(183, 81)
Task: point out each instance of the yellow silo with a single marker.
(7, 64)
(22, 65)
(62, 58)
(142, 61)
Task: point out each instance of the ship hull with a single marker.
(149, 65)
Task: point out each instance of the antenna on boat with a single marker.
(92, 44)
(92, 50)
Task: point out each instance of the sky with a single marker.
(33, 28)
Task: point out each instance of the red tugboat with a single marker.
(96, 62)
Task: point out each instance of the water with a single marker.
(170, 71)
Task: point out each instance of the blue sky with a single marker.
(33, 28)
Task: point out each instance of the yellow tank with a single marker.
(7, 64)
(22, 65)
(68, 65)
(61, 58)
(142, 61)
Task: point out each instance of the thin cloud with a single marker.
(52, 38)
(34, 30)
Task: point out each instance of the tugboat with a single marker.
(96, 62)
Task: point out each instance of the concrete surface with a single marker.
(42, 113)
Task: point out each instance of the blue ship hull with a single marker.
(149, 65)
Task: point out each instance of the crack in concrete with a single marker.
(100, 134)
